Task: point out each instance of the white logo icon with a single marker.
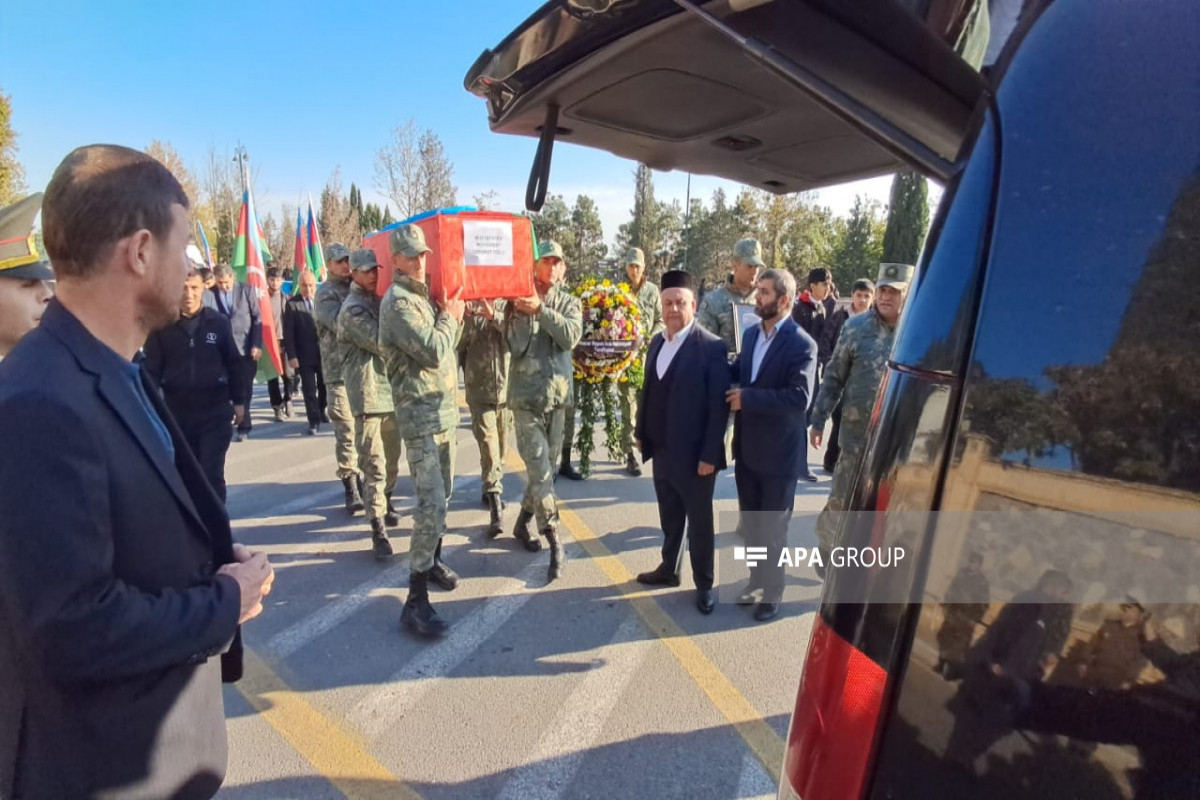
(211, 338)
(751, 555)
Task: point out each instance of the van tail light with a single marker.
(835, 721)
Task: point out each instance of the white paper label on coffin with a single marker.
(487, 243)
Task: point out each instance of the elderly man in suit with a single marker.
(238, 303)
(304, 349)
(774, 371)
(121, 590)
(681, 420)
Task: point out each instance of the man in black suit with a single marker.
(681, 422)
(304, 349)
(119, 582)
(239, 304)
(774, 371)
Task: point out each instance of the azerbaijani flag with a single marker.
(248, 264)
(204, 240)
(316, 252)
(300, 256)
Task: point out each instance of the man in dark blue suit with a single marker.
(239, 304)
(774, 372)
(121, 590)
(681, 421)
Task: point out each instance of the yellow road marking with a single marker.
(338, 755)
(763, 741)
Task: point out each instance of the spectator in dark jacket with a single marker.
(304, 350)
(861, 297)
(199, 370)
(812, 311)
(239, 304)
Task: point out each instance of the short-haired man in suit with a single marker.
(681, 417)
(775, 372)
(120, 584)
(238, 303)
(304, 349)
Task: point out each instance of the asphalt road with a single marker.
(587, 688)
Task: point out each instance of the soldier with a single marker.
(485, 371)
(565, 468)
(418, 344)
(649, 303)
(852, 377)
(541, 335)
(370, 396)
(330, 296)
(24, 276)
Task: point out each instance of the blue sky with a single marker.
(305, 87)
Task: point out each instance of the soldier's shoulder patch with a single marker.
(356, 310)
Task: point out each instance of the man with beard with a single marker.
(774, 373)
(24, 276)
(119, 608)
(852, 378)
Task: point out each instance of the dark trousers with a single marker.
(832, 450)
(249, 371)
(765, 504)
(209, 436)
(312, 385)
(687, 500)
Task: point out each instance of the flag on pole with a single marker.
(248, 264)
(316, 251)
(204, 241)
(300, 256)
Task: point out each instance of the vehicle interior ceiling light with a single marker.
(851, 111)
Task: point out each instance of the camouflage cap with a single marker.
(550, 249)
(336, 252)
(634, 255)
(363, 260)
(19, 257)
(408, 240)
(749, 251)
(898, 275)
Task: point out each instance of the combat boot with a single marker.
(523, 534)
(418, 615)
(391, 518)
(495, 524)
(441, 574)
(354, 503)
(379, 541)
(566, 470)
(558, 558)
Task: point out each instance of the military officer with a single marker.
(485, 371)
(649, 303)
(370, 397)
(852, 377)
(419, 345)
(541, 335)
(24, 276)
(330, 296)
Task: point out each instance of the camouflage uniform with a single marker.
(715, 314)
(852, 376)
(370, 398)
(649, 303)
(485, 371)
(330, 296)
(418, 343)
(539, 389)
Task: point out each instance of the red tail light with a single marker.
(833, 727)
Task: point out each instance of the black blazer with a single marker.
(696, 409)
(300, 338)
(769, 433)
(111, 614)
(245, 318)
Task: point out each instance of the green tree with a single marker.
(387, 217)
(587, 234)
(907, 219)
(336, 220)
(12, 174)
(654, 226)
(859, 244)
(553, 222)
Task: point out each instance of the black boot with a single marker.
(523, 534)
(557, 557)
(418, 615)
(440, 574)
(632, 466)
(495, 525)
(354, 502)
(391, 518)
(379, 541)
(566, 470)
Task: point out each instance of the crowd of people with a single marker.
(127, 388)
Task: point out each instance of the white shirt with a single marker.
(761, 346)
(670, 346)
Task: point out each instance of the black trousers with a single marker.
(832, 451)
(687, 500)
(312, 385)
(249, 371)
(209, 435)
(277, 394)
(765, 503)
